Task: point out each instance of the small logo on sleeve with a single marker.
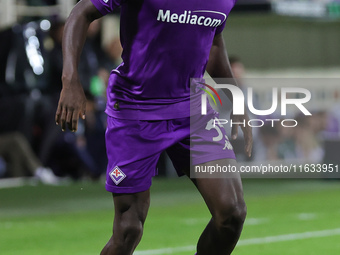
(105, 1)
(117, 175)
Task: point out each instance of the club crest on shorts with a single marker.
(117, 175)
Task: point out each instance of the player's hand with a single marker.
(247, 131)
(71, 107)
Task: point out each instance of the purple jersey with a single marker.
(165, 44)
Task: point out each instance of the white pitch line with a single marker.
(12, 182)
(290, 237)
(307, 216)
(255, 221)
(251, 241)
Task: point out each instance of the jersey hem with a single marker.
(143, 115)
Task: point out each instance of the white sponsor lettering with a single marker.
(188, 18)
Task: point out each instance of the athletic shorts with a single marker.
(134, 147)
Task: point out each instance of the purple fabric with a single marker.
(134, 147)
(107, 6)
(165, 43)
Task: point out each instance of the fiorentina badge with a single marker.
(117, 175)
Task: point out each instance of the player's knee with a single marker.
(131, 229)
(134, 230)
(231, 215)
(126, 234)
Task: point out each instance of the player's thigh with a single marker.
(222, 195)
(131, 208)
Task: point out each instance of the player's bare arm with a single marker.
(72, 100)
(219, 67)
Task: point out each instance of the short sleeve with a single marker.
(106, 6)
(220, 28)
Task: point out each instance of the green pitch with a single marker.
(284, 217)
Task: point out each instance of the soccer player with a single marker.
(165, 43)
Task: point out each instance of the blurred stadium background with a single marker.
(278, 40)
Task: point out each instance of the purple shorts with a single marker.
(134, 146)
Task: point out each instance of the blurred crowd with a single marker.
(30, 82)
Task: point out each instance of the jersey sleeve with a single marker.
(220, 28)
(106, 6)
